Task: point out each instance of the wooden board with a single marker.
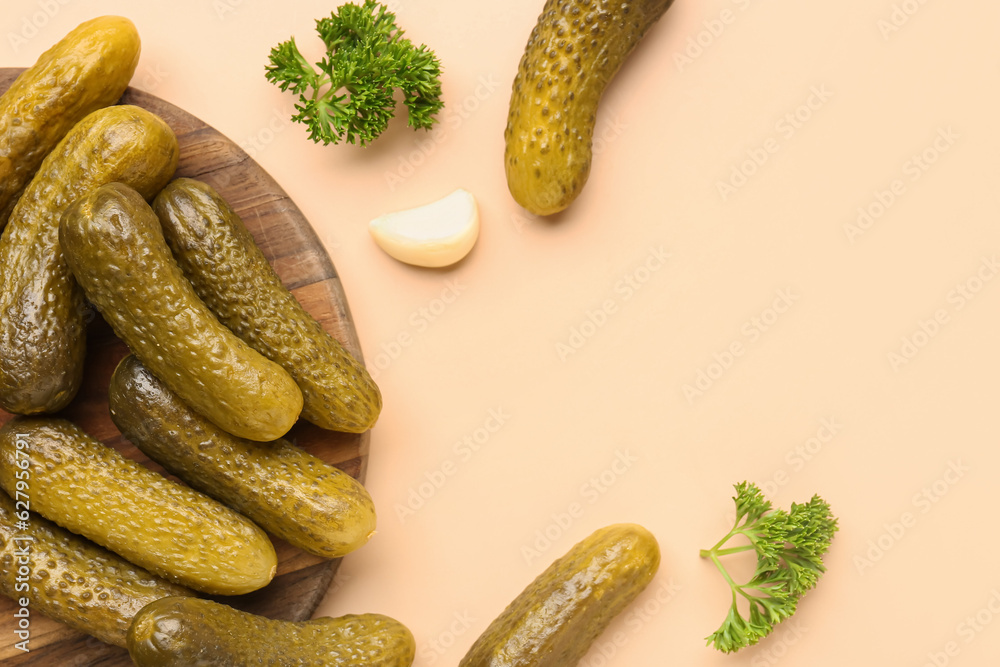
(292, 247)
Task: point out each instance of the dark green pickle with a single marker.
(42, 337)
(286, 491)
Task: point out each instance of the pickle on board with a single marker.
(115, 248)
(285, 490)
(86, 70)
(231, 275)
(171, 530)
(42, 336)
(69, 578)
(557, 617)
(573, 53)
(186, 632)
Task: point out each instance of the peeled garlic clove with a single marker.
(434, 235)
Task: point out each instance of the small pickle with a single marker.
(574, 52)
(557, 617)
(185, 632)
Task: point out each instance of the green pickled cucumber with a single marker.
(186, 632)
(42, 338)
(86, 70)
(115, 248)
(557, 617)
(232, 276)
(286, 491)
(169, 529)
(68, 578)
(574, 51)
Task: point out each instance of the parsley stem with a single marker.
(729, 536)
(733, 550)
(722, 569)
(737, 530)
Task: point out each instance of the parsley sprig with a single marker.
(789, 546)
(348, 95)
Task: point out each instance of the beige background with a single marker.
(868, 362)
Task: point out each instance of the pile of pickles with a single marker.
(223, 362)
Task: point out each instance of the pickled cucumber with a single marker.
(555, 619)
(231, 275)
(42, 342)
(168, 529)
(574, 51)
(283, 489)
(69, 578)
(186, 632)
(86, 70)
(116, 250)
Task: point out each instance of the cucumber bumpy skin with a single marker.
(231, 275)
(573, 52)
(86, 70)
(186, 632)
(115, 248)
(42, 337)
(171, 530)
(557, 617)
(286, 491)
(70, 579)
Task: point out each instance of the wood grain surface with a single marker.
(290, 244)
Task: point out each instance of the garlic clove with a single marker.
(434, 235)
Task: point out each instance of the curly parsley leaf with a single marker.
(348, 95)
(789, 548)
